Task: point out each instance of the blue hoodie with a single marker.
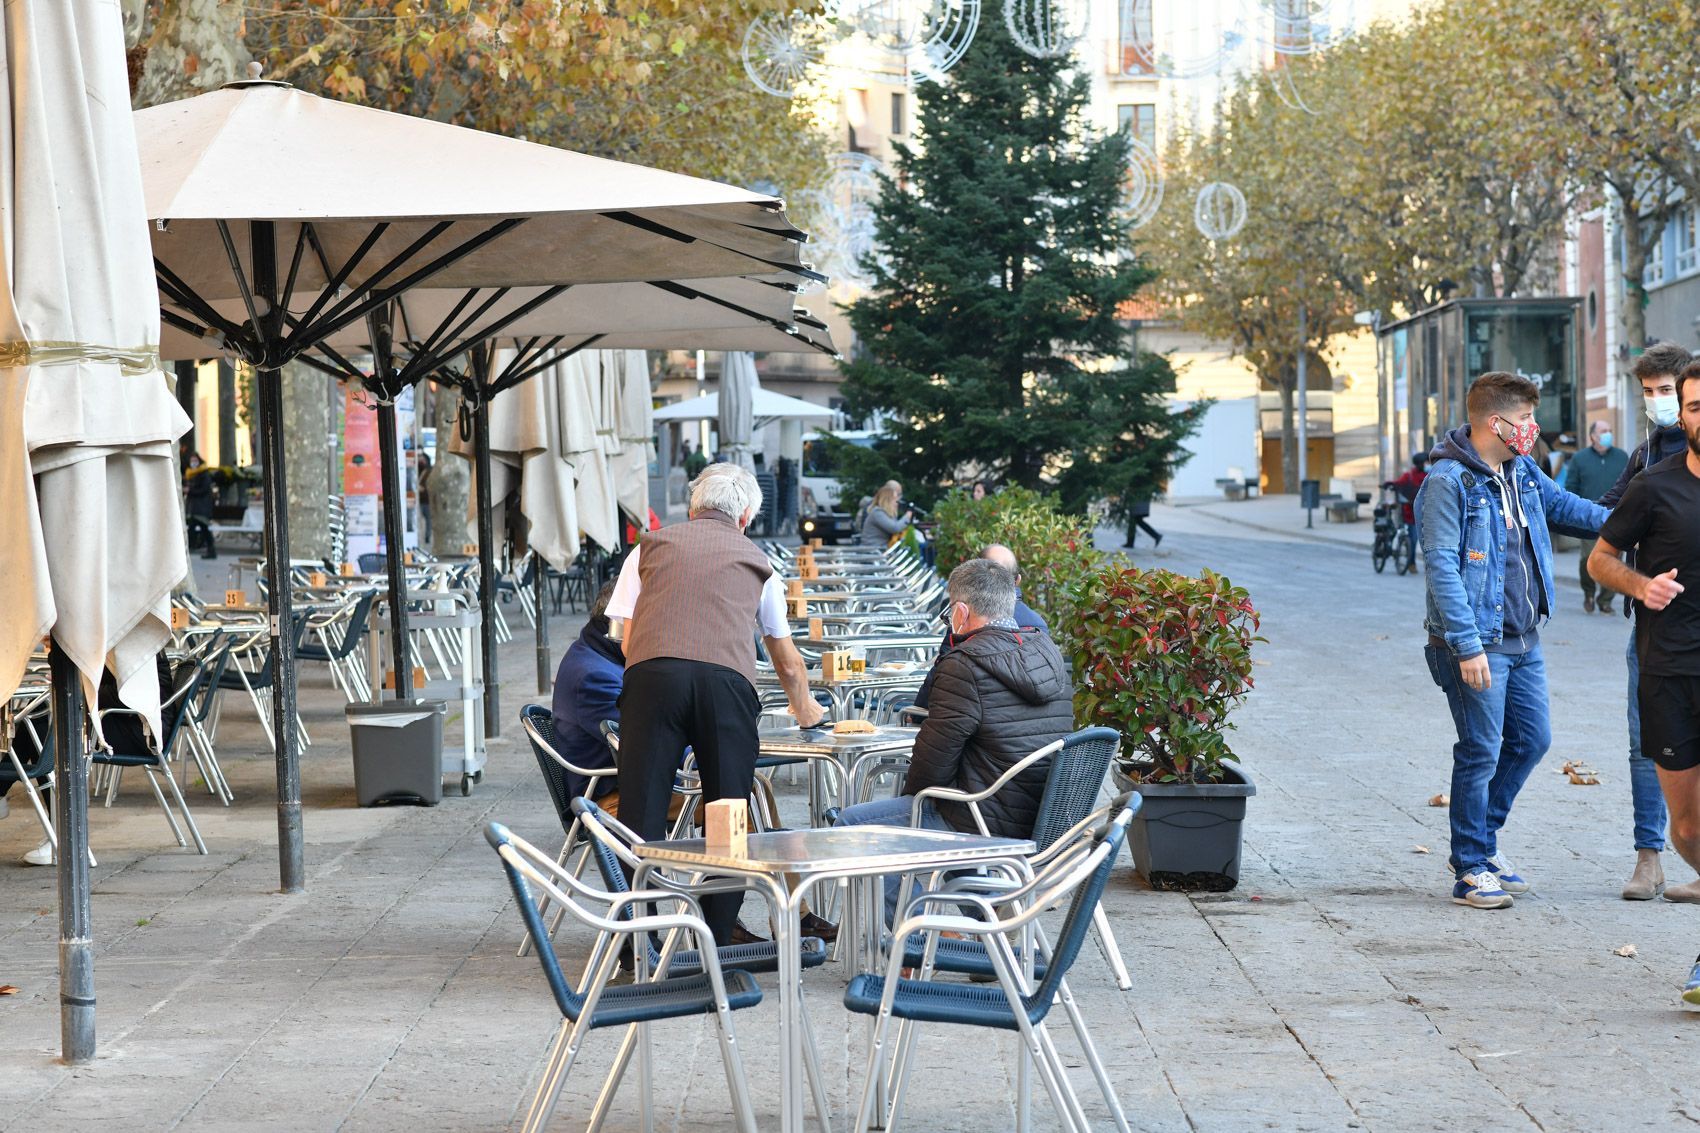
(1486, 549)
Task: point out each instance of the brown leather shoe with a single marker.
(1587, 605)
(742, 935)
(1648, 880)
(813, 925)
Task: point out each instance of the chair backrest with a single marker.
(1067, 944)
(610, 842)
(611, 733)
(519, 860)
(1072, 785)
(373, 562)
(355, 627)
(214, 662)
(539, 725)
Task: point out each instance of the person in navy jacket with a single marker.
(587, 692)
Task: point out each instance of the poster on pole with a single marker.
(361, 479)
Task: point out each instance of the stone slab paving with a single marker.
(1337, 988)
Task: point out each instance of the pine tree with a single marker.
(991, 334)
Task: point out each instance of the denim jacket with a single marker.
(1461, 520)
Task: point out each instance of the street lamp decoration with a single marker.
(913, 41)
(841, 218)
(1219, 211)
(1048, 29)
(1142, 192)
(779, 49)
(1203, 41)
(1304, 27)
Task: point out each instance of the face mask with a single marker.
(1605, 440)
(1662, 409)
(1522, 438)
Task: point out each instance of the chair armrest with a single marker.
(970, 799)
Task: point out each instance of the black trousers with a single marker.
(666, 705)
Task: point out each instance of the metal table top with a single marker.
(839, 850)
(789, 740)
(880, 640)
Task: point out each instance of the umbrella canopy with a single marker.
(766, 406)
(634, 427)
(425, 203)
(755, 313)
(738, 386)
(92, 538)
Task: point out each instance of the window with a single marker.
(1139, 118)
(1687, 248)
(1136, 54)
(1654, 273)
(899, 114)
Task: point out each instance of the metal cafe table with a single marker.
(813, 856)
(843, 751)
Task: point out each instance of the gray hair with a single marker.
(725, 487)
(984, 587)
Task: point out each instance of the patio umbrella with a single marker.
(90, 524)
(766, 407)
(255, 199)
(738, 386)
(634, 427)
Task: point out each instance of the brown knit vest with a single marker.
(702, 584)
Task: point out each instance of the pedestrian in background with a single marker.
(1658, 516)
(1406, 488)
(1483, 513)
(1591, 474)
(1656, 370)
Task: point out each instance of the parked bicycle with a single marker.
(1392, 539)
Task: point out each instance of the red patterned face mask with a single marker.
(1522, 438)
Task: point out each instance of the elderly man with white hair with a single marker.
(693, 596)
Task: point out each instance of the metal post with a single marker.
(71, 816)
(389, 469)
(481, 359)
(1304, 416)
(280, 606)
(539, 585)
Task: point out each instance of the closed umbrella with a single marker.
(634, 425)
(91, 529)
(738, 385)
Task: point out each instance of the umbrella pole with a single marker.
(539, 586)
(389, 458)
(291, 869)
(71, 816)
(486, 557)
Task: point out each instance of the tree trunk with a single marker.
(1286, 380)
(195, 47)
(306, 437)
(451, 481)
(1637, 248)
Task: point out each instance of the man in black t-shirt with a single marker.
(1659, 515)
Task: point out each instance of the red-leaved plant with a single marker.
(1162, 658)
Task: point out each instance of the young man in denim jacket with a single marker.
(1483, 513)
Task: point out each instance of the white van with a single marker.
(822, 512)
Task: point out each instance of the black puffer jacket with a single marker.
(997, 696)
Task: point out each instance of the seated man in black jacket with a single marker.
(999, 694)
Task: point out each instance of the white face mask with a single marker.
(1662, 409)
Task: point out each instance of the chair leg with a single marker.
(189, 819)
(1111, 950)
(561, 1057)
(1060, 1072)
(811, 1062)
(1078, 1022)
(876, 1057)
(736, 1083)
(171, 819)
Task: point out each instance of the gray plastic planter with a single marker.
(1187, 836)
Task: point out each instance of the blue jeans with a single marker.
(1644, 790)
(891, 812)
(1411, 543)
(1503, 731)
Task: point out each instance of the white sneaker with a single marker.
(1509, 879)
(43, 855)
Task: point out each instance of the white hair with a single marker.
(726, 488)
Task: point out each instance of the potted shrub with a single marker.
(1163, 658)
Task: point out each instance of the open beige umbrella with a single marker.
(91, 529)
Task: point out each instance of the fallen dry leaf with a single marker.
(8, 989)
(1440, 800)
(1626, 951)
(1577, 779)
(1379, 637)
(1419, 849)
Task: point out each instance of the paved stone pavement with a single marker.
(1337, 988)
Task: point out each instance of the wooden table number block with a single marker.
(726, 826)
(235, 597)
(179, 618)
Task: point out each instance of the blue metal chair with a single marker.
(1016, 1003)
(593, 1004)
(29, 762)
(1079, 764)
(156, 762)
(538, 723)
(611, 843)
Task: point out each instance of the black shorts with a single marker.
(1670, 720)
